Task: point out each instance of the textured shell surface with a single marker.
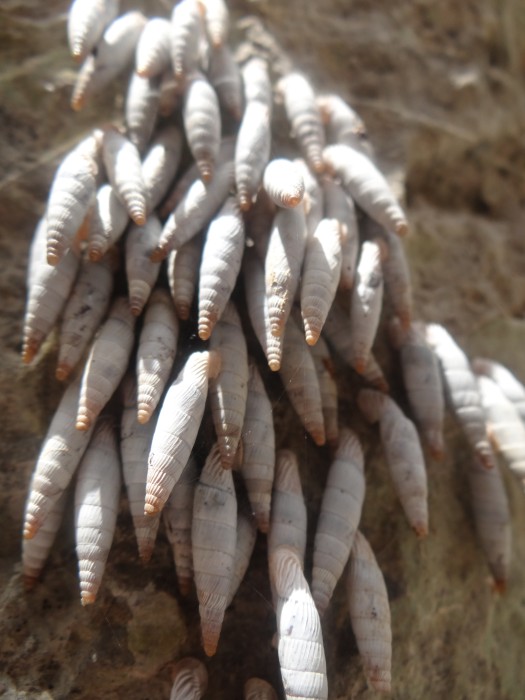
(490, 506)
(106, 363)
(124, 169)
(178, 516)
(196, 209)
(341, 207)
(97, 493)
(220, 265)
(370, 614)
(141, 109)
(338, 518)
(225, 76)
(214, 539)
(403, 454)
(256, 80)
(113, 52)
(156, 352)
(325, 368)
(107, 224)
(217, 21)
(183, 274)
(202, 124)
(229, 390)
(85, 309)
(86, 22)
(366, 185)
(300, 646)
(258, 439)
(252, 151)
(153, 53)
(60, 455)
(288, 516)
(190, 679)
(177, 426)
(48, 289)
(160, 165)
(258, 689)
(505, 379)
(141, 273)
(282, 265)
(301, 383)
(283, 181)
(70, 198)
(304, 117)
(135, 443)
(186, 30)
(462, 390)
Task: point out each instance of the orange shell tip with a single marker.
(421, 530)
(183, 312)
(402, 228)
(139, 218)
(158, 254)
(274, 365)
(29, 582)
(143, 416)
(499, 586)
(62, 372)
(150, 509)
(319, 439)
(204, 332)
(83, 423)
(87, 598)
(360, 366)
(52, 258)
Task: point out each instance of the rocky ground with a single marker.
(440, 86)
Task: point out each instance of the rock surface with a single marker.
(440, 86)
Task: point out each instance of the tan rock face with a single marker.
(440, 87)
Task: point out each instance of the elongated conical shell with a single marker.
(217, 21)
(214, 537)
(85, 309)
(300, 648)
(202, 124)
(71, 195)
(140, 271)
(325, 369)
(491, 510)
(156, 352)
(194, 211)
(462, 391)
(86, 21)
(183, 275)
(141, 109)
(123, 165)
(343, 124)
(396, 274)
(106, 364)
(339, 517)
(190, 679)
(403, 454)
(252, 151)
(48, 289)
(320, 277)
(246, 536)
(135, 443)
(370, 614)
(288, 517)
(97, 494)
(177, 517)
(365, 306)
(61, 452)
(339, 206)
(229, 390)
(112, 54)
(36, 550)
(282, 267)
(186, 30)
(301, 383)
(367, 186)
(177, 426)
(220, 265)
(107, 223)
(225, 76)
(160, 165)
(258, 440)
(153, 53)
(257, 302)
(304, 117)
(422, 381)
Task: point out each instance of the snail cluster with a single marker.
(272, 265)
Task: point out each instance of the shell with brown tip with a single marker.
(124, 168)
(153, 52)
(284, 182)
(86, 21)
(97, 494)
(213, 539)
(202, 124)
(370, 614)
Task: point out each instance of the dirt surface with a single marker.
(440, 87)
